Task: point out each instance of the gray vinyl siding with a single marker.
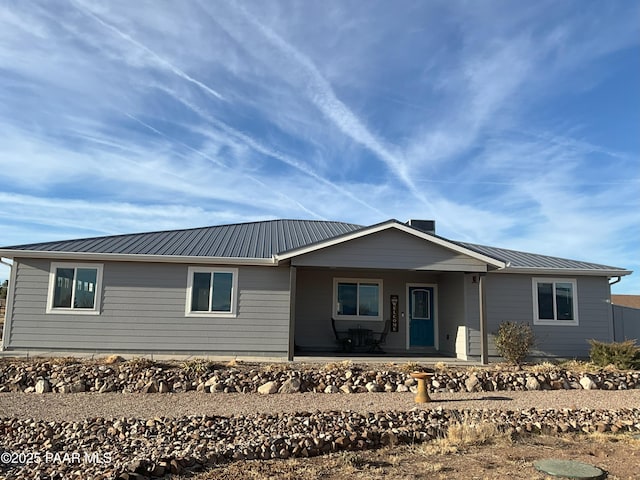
(510, 298)
(390, 249)
(314, 305)
(451, 311)
(143, 309)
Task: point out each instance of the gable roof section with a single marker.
(254, 242)
(443, 242)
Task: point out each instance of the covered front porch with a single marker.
(428, 289)
(419, 313)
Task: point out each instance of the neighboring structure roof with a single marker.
(631, 301)
(263, 241)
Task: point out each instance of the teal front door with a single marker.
(421, 317)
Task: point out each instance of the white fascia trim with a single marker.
(565, 271)
(386, 226)
(122, 257)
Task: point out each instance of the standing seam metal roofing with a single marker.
(244, 240)
(265, 239)
(517, 259)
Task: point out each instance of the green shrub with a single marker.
(514, 341)
(624, 355)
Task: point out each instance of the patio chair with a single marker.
(342, 338)
(381, 338)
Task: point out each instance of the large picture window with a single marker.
(357, 299)
(74, 288)
(211, 291)
(555, 301)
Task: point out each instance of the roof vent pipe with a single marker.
(428, 226)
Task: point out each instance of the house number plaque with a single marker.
(394, 313)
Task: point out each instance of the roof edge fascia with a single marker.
(124, 257)
(593, 272)
(386, 226)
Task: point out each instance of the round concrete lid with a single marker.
(568, 469)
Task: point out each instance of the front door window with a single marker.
(421, 316)
(421, 300)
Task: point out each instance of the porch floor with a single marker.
(391, 357)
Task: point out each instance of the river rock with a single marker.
(346, 388)
(78, 387)
(291, 385)
(373, 387)
(588, 384)
(212, 381)
(472, 383)
(150, 387)
(532, 384)
(42, 386)
(268, 388)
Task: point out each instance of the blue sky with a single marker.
(512, 124)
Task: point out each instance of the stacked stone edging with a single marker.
(148, 377)
(137, 448)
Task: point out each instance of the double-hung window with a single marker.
(211, 291)
(555, 301)
(75, 288)
(357, 299)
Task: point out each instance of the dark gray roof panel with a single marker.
(516, 259)
(265, 239)
(244, 240)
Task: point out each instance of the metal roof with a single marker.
(517, 259)
(241, 240)
(265, 239)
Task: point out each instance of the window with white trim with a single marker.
(75, 288)
(357, 299)
(211, 291)
(555, 301)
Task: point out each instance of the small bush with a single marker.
(544, 367)
(196, 366)
(514, 341)
(410, 367)
(140, 363)
(464, 434)
(337, 366)
(66, 361)
(624, 355)
(440, 366)
(353, 459)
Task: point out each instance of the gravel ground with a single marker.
(74, 407)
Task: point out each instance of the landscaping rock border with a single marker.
(129, 448)
(143, 376)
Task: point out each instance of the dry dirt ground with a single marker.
(498, 457)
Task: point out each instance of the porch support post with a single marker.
(484, 341)
(292, 313)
